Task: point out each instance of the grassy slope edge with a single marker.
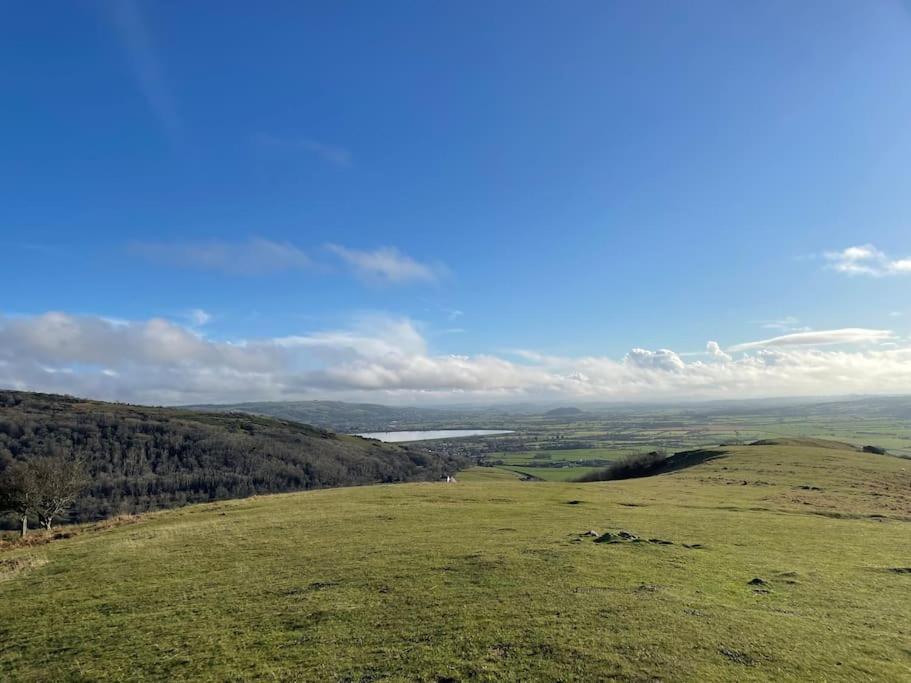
(489, 579)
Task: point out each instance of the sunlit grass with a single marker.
(489, 579)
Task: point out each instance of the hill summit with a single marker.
(564, 412)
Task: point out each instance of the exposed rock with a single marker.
(736, 656)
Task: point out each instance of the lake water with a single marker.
(398, 437)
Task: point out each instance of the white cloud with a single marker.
(386, 265)
(662, 359)
(849, 335)
(714, 350)
(256, 256)
(388, 359)
(198, 317)
(866, 259)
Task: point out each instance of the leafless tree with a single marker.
(59, 482)
(43, 487)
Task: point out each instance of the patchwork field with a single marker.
(779, 562)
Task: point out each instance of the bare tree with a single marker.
(58, 482)
(43, 487)
(18, 492)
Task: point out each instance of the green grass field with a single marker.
(552, 473)
(529, 463)
(568, 455)
(489, 579)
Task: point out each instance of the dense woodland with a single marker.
(139, 458)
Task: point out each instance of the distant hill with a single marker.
(141, 458)
(340, 416)
(564, 412)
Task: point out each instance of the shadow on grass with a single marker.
(650, 464)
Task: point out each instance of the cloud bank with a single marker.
(382, 358)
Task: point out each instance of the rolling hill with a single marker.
(140, 458)
(771, 562)
(339, 415)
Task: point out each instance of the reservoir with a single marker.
(398, 437)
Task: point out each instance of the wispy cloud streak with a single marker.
(848, 335)
(131, 29)
(256, 256)
(335, 155)
(386, 265)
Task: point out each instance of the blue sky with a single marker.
(537, 186)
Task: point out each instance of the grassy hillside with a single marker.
(142, 458)
(778, 562)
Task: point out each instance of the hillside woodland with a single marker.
(138, 458)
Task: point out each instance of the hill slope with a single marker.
(142, 458)
(338, 415)
(776, 563)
